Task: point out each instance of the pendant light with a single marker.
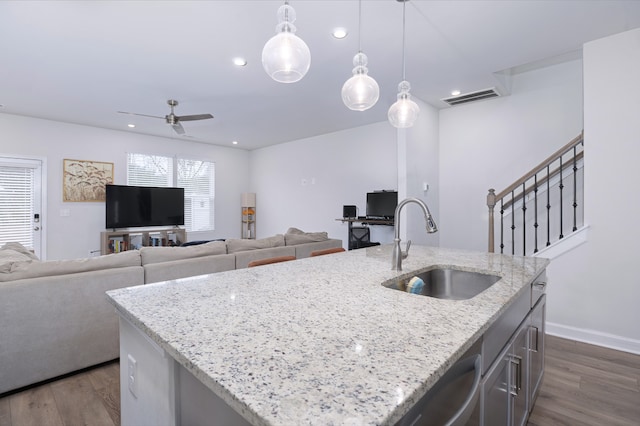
(404, 112)
(361, 91)
(285, 57)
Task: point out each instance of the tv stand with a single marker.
(131, 239)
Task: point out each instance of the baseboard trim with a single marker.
(593, 337)
(566, 244)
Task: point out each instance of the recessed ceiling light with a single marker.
(235, 142)
(455, 92)
(241, 62)
(131, 125)
(339, 33)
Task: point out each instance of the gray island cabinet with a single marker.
(321, 341)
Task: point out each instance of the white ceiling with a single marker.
(82, 61)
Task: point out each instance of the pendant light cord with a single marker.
(359, 25)
(404, 31)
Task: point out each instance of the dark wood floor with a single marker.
(588, 385)
(583, 385)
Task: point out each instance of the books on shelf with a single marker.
(118, 244)
(119, 241)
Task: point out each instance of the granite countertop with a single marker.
(320, 340)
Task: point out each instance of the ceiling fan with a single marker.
(174, 120)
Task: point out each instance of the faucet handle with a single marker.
(406, 253)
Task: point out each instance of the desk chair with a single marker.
(360, 237)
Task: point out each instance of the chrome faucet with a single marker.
(398, 254)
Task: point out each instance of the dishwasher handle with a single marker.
(464, 412)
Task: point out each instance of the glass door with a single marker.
(21, 202)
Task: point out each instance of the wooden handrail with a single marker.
(492, 197)
(542, 181)
(574, 142)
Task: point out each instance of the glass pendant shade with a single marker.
(404, 112)
(361, 91)
(286, 57)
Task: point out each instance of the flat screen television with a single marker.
(137, 206)
(382, 204)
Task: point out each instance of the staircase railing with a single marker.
(548, 177)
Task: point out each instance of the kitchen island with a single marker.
(312, 341)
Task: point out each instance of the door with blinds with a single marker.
(21, 203)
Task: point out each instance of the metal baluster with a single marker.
(502, 226)
(535, 213)
(513, 225)
(561, 186)
(524, 221)
(575, 190)
(548, 209)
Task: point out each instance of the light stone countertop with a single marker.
(320, 341)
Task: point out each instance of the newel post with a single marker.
(491, 203)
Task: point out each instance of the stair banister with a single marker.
(493, 197)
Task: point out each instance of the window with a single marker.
(195, 176)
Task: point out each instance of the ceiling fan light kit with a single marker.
(286, 57)
(361, 91)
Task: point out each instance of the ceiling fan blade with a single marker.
(177, 127)
(135, 113)
(194, 117)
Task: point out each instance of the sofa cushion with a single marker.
(295, 236)
(30, 269)
(235, 245)
(166, 254)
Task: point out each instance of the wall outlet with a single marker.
(132, 375)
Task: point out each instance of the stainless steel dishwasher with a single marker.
(455, 399)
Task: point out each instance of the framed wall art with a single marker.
(84, 181)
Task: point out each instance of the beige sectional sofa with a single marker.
(54, 317)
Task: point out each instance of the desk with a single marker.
(363, 221)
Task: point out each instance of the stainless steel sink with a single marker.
(447, 283)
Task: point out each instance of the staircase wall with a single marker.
(492, 143)
(594, 289)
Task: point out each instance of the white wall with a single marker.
(491, 143)
(75, 235)
(601, 289)
(418, 163)
(338, 169)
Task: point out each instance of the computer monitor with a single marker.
(382, 204)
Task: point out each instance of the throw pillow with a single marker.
(165, 254)
(17, 247)
(236, 245)
(295, 236)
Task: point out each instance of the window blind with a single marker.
(197, 177)
(198, 180)
(16, 205)
(149, 170)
